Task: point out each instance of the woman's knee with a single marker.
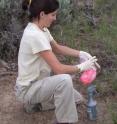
(66, 80)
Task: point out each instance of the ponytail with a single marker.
(26, 4)
(34, 7)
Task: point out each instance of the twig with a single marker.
(7, 73)
(4, 64)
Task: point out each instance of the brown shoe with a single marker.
(32, 108)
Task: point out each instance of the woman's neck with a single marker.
(39, 24)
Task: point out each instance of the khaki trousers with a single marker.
(54, 92)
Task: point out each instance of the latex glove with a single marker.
(84, 56)
(88, 64)
(97, 66)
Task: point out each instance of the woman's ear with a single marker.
(42, 14)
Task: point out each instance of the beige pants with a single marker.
(55, 91)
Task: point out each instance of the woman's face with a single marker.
(47, 19)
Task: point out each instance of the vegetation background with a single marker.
(89, 25)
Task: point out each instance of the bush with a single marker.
(10, 28)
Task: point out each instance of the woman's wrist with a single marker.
(78, 70)
(78, 54)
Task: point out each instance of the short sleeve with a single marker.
(39, 43)
(49, 35)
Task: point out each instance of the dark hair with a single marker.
(37, 6)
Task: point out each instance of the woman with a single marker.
(34, 86)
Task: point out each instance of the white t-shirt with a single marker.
(31, 66)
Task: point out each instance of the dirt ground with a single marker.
(11, 111)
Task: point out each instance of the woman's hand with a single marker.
(84, 56)
(87, 64)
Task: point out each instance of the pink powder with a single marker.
(88, 76)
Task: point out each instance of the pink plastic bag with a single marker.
(88, 76)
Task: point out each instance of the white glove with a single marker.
(84, 56)
(97, 66)
(87, 64)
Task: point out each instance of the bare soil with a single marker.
(11, 111)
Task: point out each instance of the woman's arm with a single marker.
(59, 68)
(64, 50)
(56, 66)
